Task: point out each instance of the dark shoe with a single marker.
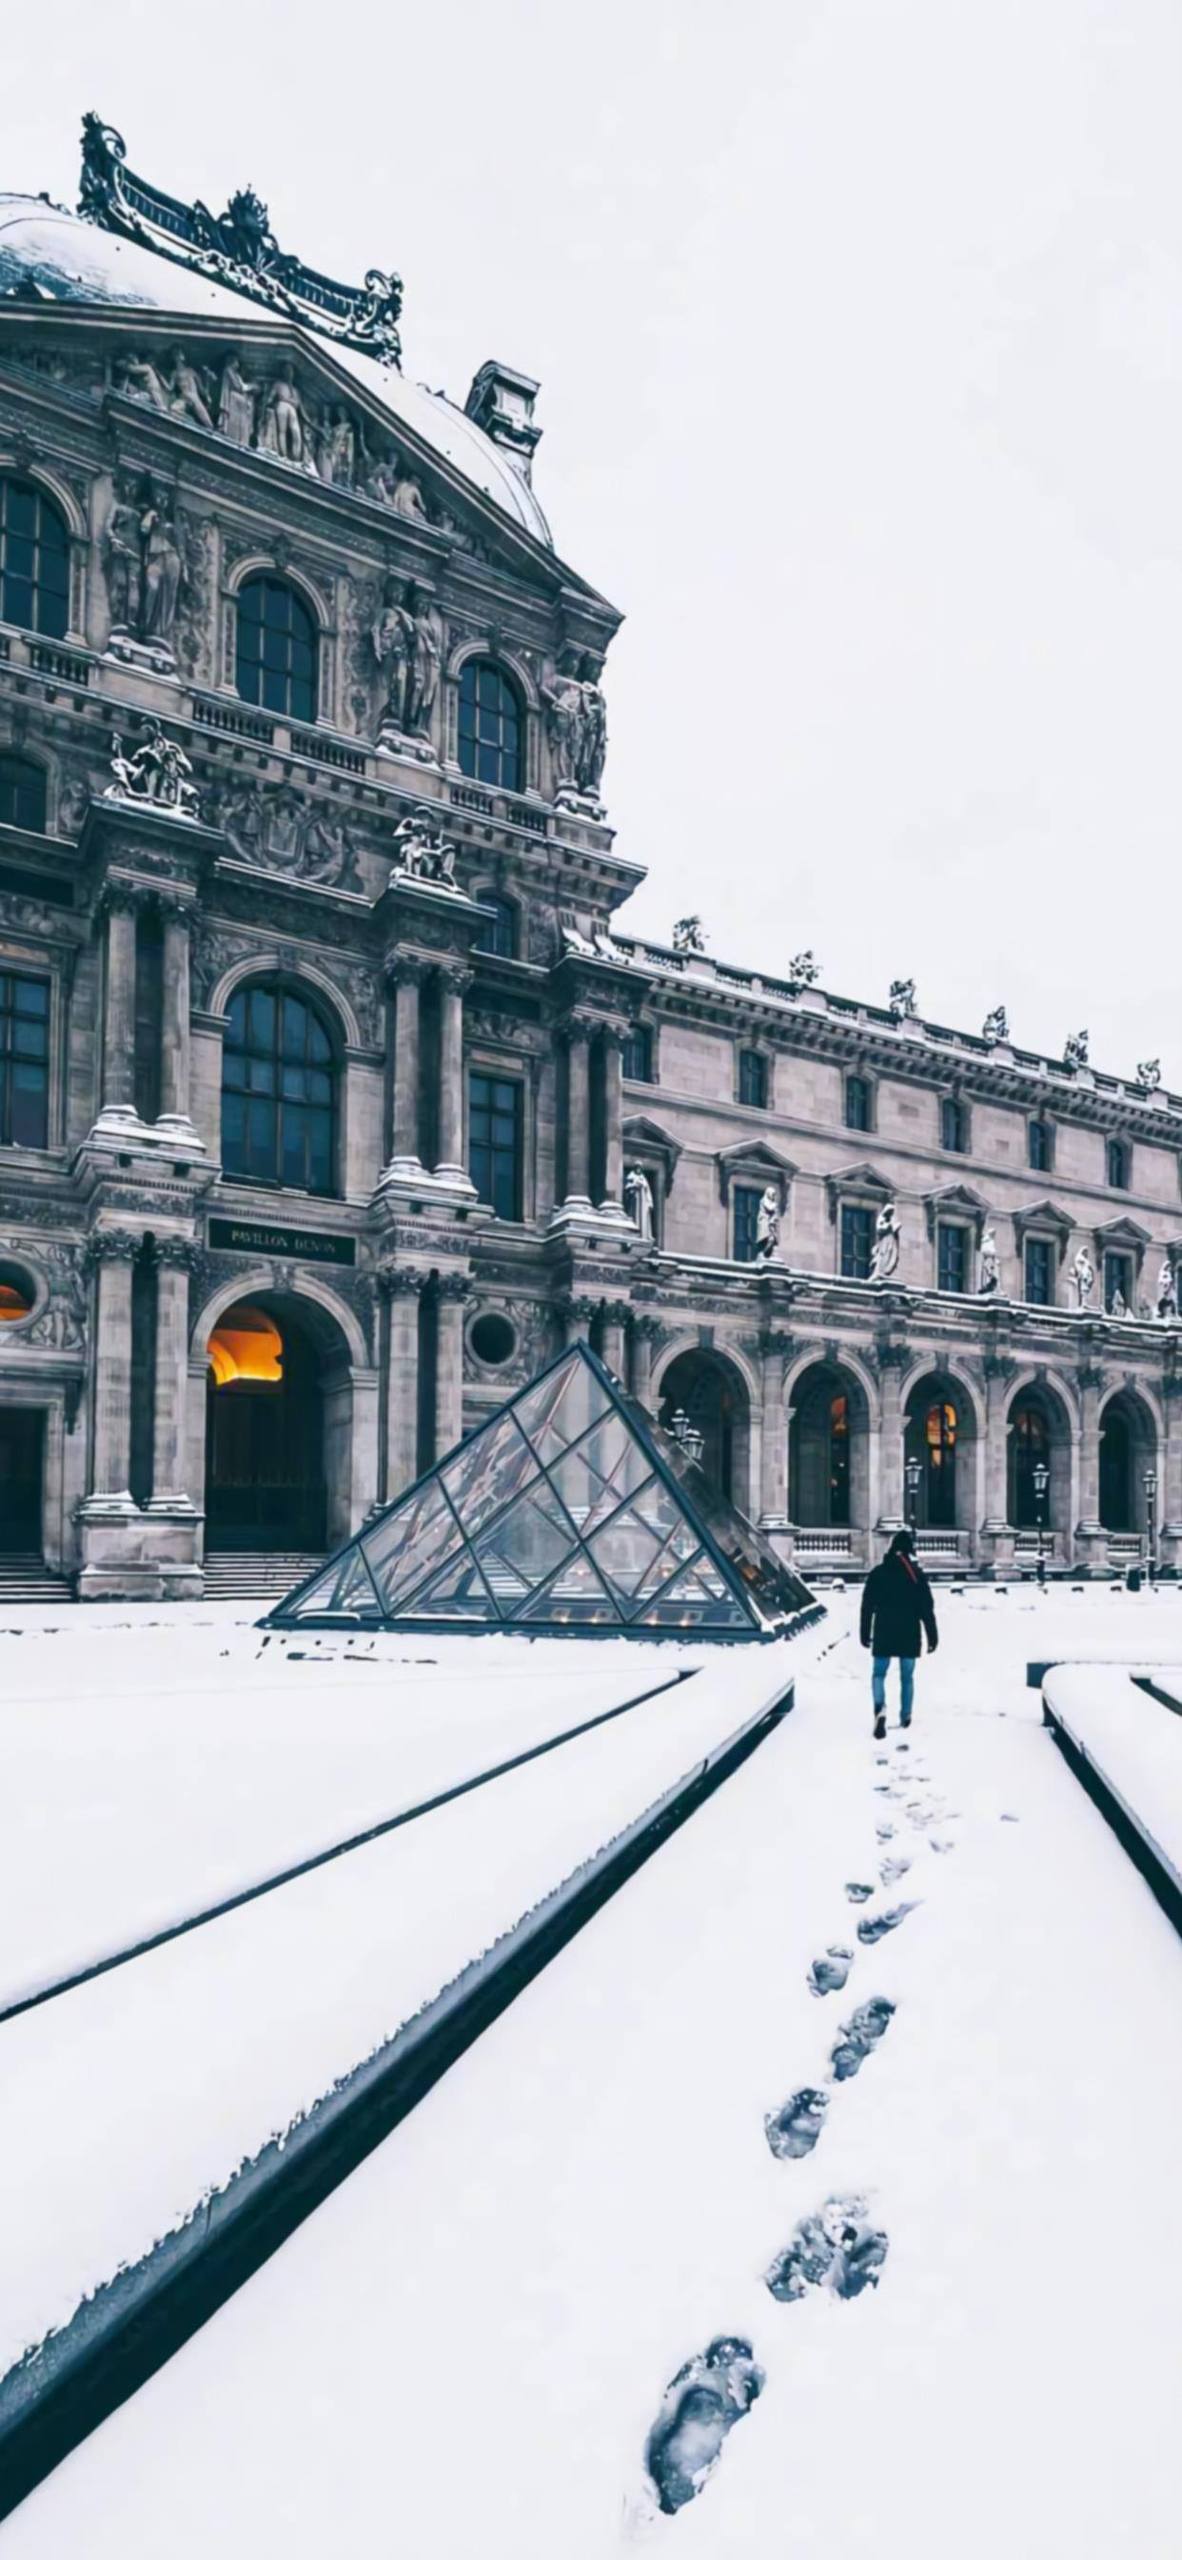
(904, 1721)
(880, 1727)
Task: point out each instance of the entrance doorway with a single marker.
(264, 1432)
(22, 1440)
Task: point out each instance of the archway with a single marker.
(713, 1397)
(1128, 1447)
(940, 1432)
(1038, 1435)
(278, 1427)
(829, 1450)
(22, 1444)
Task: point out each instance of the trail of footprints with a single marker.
(838, 2250)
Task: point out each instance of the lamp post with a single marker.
(1149, 1481)
(913, 1472)
(1041, 1478)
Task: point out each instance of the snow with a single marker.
(465, 2348)
(192, 2057)
(1134, 1742)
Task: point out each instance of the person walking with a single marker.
(897, 1607)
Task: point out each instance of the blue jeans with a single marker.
(878, 1680)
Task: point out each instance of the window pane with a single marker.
(857, 1242)
(523, 1547)
(746, 1221)
(489, 1471)
(557, 1412)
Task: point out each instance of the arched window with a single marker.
(500, 933)
(839, 1462)
(939, 1433)
(278, 1091)
(1030, 1443)
(22, 793)
(276, 659)
(491, 726)
(34, 560)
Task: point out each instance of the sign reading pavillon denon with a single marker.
(302, 1244)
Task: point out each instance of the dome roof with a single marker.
(58, 255)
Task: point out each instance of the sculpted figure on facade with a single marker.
(124, 566)
(145, 568)
(338, 449)
(280, 831)
(1083, 1278)
(163, 572)
(283, 426)
(996, 1025)
(989, 1277)
(1119, 1306)
(1149, 1075)
(767, 1225)
(422, 852)
(423, 675)
(688, 934)
(638, 1200)
(236, 403)
(158, 772)
(188, 395)
(139, 379)
(392, 639)
(1075, 1049)
(902, 1000)
(1167, 1291)
(803, 971)
(884, 1261)
(576, 717)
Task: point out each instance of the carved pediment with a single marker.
(1122, 1235)
(1043, 1217)
(856, 1182)
(644, 1137)
(755, 1161)
(956, 1200)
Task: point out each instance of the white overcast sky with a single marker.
(859, 328)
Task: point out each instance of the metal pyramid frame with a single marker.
(568, 1512)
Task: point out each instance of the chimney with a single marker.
(502, 402)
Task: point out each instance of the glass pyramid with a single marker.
(568, 1509)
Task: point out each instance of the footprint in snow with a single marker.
(858, 1892)
(858, 2037)
(837, 2249)
(884, 1830)
(941, 1847)
(705, 2399)
(1010, 1817)
(830, 1972)
(795, 2128)
(877, 1926)
(892, 1868)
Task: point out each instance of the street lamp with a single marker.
(1041, 1478)
(913, 1472)
(1149, 1480)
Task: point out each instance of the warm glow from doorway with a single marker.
(14, 1303)
(246, 1344)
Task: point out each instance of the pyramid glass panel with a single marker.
(568, 1509)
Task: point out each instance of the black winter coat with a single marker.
(896, 1604)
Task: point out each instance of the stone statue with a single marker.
(996, 1025)
(392, 639)
(421, 851)
(577, 720)
(124, 561)
(408, 499)
(236, 399)
(688, 934)
(338, 450)
(884, 1261)
(902, 999)
(139, 379)
(1075, 1049)
(638, 1197)
(767, 1225)
(592, 741)
(1149, 1075)
(803, 971)
(1118, 1307)
(1167, 1291)
(1083, 1278)
(159, 772)
(989, 1279)
(186, 391)
(163, 571)
(422, 683)
(283, 427)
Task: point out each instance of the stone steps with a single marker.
(236, 1576)
(29, 1578)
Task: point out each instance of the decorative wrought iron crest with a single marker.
(237, 248)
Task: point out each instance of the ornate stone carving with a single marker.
(996, 1025)
(278, 830)
(884, 1261)
(767, 1225)
(146, 553)
(1149, 1075)
(902, 1000)
(158, 774)
(405, 641)
(989, 1272)
(1083, 1279)
(1075, 1049)
(1167, 1291)
(422, 852)
(577, 721)
(60, 1323)
(638, 1200)
(112, 1244)
(454, 1285)
(178, 1253)
(688, 934)
(396, 1280)
(803, 971)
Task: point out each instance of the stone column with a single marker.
(615, 1318)
(453, 985)
(645, 1335)
(1091, 1541)
(174, 1016)
(611, 1050)
(578, 1117)
(403, 1289)
(773, 1475)
(997, 1532)
(1170, 1541)
(174, 1262)
(454, 1288)
(112, 1252)
(892, 1359)
(118, 1077)
(404, 977)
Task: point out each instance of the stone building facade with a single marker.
(334, 1097)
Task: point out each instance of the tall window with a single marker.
(638, 1054)
(34, 560)
(276, 665)
(1119, 1159)
(1118, 1280)
(500, 933)
(839, 1462)
(939, 1434)
(753, 1078)
(857, 1102)
(24, 1061)
(22, 793)
(491, 726)
(1030, 1441)
(954, 1126)
(952, 1259)
(857, 1242)
(1040, 1146)
(494, 1141)
(747, 1200)
(1040, 1271)
(278, 1091)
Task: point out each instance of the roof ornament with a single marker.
(1149, 1075)
(1075, 1050)
(903, 1000)
(803, 971)
(688, 934)
(996, 1026)
(237, 248)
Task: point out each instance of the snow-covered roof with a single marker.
(62, 257)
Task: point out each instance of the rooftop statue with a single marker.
(996, 1025)
(1075, 1049)
(902, 999)
(1149, 1075)
(688, 934)
(803, 971)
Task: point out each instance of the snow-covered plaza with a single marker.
(913, 1996)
